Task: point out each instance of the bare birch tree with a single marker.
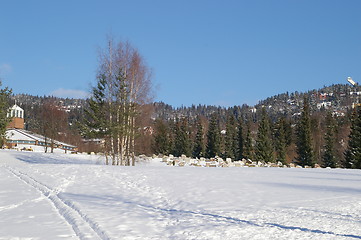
(127, 87)
(52, 122)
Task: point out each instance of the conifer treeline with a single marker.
(285, 130)
(309, 139)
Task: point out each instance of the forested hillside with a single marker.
(337, 98)
(185, 130)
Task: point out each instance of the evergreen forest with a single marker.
(316, 127)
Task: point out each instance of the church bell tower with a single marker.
(17, 115)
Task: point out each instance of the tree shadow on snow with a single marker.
(317, 188)
(353, 218)
(332, 178)
(311, 230)
(331, 172)
(111, 201)
(49, 158)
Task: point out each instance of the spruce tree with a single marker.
(94, 124)
(213, 138)
(288, 132)
(240, 140)
(248, 146)
(281, 140)
(347, 162)
(175, 129)
(161, 141)
(264, 147)
(172, 126)
(181, 140)
(328, 157)
(304, 149)
(4, 108)
(198, 149)
(187, 140)
(229, 145)
(353, 152)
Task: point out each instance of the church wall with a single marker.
(16, 123)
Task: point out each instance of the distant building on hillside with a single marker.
(325, 105)
(17, 115)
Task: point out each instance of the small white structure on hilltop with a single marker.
(352, 82)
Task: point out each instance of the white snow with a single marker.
(63, 196)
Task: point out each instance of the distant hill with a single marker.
(337, 98)
(31, 105)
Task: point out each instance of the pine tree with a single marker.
(198, 149)
(328, 157)
(230, 137)
(4, 108)
(240, 140)
(213, 138)
(304, 142)
(353, 152)
(281, 140)
(264, 148)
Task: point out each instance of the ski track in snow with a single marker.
(13, 206)
(83, 226)
(137, 185)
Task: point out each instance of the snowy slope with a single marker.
(58, 196)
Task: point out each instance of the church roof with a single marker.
(23, 135)
(16, 107)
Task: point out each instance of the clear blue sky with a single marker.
(224, 53)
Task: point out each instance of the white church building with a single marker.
(20, 139)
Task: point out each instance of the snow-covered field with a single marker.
(58, 196)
